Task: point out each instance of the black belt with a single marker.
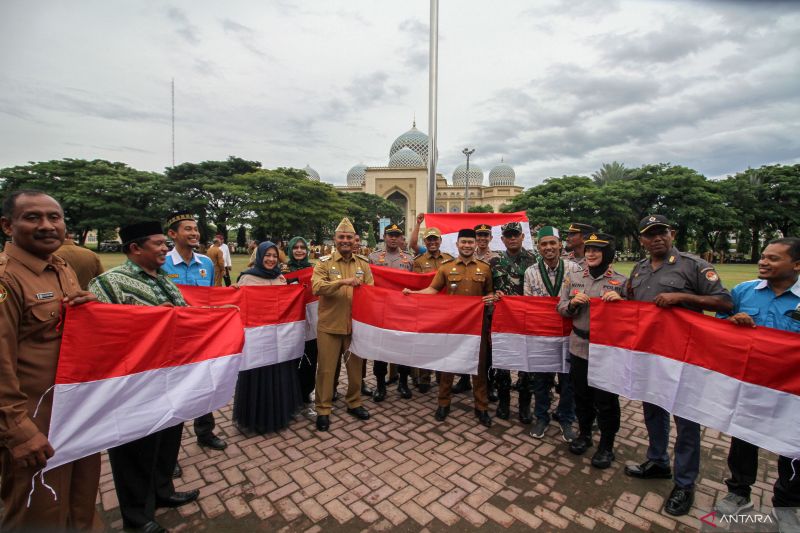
(582, 333)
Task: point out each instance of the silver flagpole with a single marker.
(433, 76)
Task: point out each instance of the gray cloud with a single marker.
(246, 36)
(183, 27)
(415, 44)
(675, 40)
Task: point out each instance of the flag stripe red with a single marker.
(392, 278)
(134, 339)
(529, 315)
(761, 356)
(421, 313)
(260, 306)
(452, 222)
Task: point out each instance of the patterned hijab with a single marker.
(258, 268)
(293, 263)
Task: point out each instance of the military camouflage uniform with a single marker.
(508, 275)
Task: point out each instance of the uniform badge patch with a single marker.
(711, 276)
(172, 276)
(203, 273)
(614, 281)
(671, 259)
(3, 294)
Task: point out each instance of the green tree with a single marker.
(97, 194)
(365, 210)
(610, 173)
(480, 209)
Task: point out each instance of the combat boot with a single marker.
(402, 388)
(380, 389)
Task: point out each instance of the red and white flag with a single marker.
(274, 319)
(394, 278)
(437, 332)
(145, 369)
(529, 335)
(741, 381)
(303, 277)
(450, 223)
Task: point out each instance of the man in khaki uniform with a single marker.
(218, 260)
(34, 283)
(83, 261)
(464, 276)
(333, 281)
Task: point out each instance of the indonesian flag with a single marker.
(450, 223)
(273, 317)
(393, 278)
(438, 332)
(529, 335)
(303, 277)
(742, 381)
(145, 369)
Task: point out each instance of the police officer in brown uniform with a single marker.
(576, 233)
(429, 261)
(33, 284)
(464, 276)
(667, 278)
(333, 280)
(393, 257)
(83, 261)
(597, 280)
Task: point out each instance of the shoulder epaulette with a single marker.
(484, 262)
(418, 256)
(364, 257)
(447, 260)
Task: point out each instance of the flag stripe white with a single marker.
(92, 416)
(272, 344)
(445, 352)
(312, 316)
(763, 416)
(530, 353)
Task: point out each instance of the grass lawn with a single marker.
(731, 275)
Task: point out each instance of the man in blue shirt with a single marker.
(185, 267)
(773, 301)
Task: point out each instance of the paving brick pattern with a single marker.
(403, 471)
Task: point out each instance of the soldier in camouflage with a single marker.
(508, 275)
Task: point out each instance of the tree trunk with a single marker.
(755, 246)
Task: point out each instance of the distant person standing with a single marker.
(217, 260)
(83, 261)
(226, 254)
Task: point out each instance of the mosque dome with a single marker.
(405, 157)
(502, 174)
(356, 175)
(475, 175)
(413, 139)
(312, 174)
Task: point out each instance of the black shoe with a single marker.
(484, 418)
(423, 387)
(503, 411)
(151, 527)
(403, 389)
(178, 499)
(679, 501)
(441, 412)
(380, 394)
(365, 390)
(212, 441)
(177, 472)
(603, 458)
(649, 470)
(463, 385)
(323, 422)
(580, 445)
(525, 414)
(359, 412)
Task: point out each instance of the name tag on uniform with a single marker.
(44, 295)
(172, 276)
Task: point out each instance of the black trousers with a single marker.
(307, 369)
(591, 403)
(204, 426)
(142, 472)
(743, 464)
(380, 369)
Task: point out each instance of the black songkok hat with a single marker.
(180, 216)
(131, 232)
(466, 232)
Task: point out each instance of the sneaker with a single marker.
(733, 504)
(539, 428)
(308, 412)
(568, 433)
(787, 519)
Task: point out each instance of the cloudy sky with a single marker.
(553, 86)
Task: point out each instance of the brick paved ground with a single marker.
(403, 471)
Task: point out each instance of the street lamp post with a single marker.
(467, 152)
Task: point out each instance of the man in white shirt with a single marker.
(226, 253)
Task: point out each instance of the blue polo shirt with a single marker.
(757, 299)
(199, 271)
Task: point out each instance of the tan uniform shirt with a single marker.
(399, 260)
(83, 261)
(31, 290)
(473, 278)
(218, 260)
(582, 281)
(424, 263)
(488, 256)
(336, 300)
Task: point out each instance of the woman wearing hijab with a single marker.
(598, 280)
(307, 368)
(267, 397)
